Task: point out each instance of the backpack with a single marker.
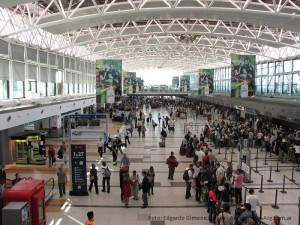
(107, 172)
(186, 176)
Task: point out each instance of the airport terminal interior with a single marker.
(71, 71)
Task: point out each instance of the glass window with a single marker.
(4, 84)
(18, 89)
(4, 69)
(278, 84)
(258, 69)
(265, 69)
(71, 89)
(287, 81)
(42, 89)
(32, 86)
(279, 67)
(66, 89)
(288, 66)
(59, 76)
(271, 68)
(296, 84)
(17, 52)
(51, 89)
(296, 65)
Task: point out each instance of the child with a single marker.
(90, 220)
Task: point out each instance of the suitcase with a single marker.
(162, 144)
(182, 151)
(189, 152)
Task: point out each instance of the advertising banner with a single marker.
(175, 82)
(108, 74)
(139, 84)
(242, 75)
(185, 83)
(129, 82)
(206, 81)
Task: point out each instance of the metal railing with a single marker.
(49, 187)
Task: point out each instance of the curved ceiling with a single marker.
(173, 34)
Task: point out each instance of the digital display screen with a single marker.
(78, 159)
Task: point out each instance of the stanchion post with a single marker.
(277, 169)
(245, 195)
(283, 186)
(256, 171)
(298, 169)
(265, 163)
(275, 206)
(261, 184)
(225, 153)
(270, 155)
(231, 155)
(219, 149)
(260, 211)
(256, 157)
(270, 178)
(293, 180)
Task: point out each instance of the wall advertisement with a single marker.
(206, 81)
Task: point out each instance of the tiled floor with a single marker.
(167, 205)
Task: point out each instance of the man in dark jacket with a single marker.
(145, 188)
(93, 179)
(172, 163)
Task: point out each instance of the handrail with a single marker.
(50, 193)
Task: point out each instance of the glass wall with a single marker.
(27, 72)
(272, 78)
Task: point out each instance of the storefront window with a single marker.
(51, 89)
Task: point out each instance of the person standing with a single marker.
(145, 186)
(105, 177)
(62, 181)
(135, 187)
(151, 175)
(238, 182)
(150, 117)
(189, 182)
(114, 150)
(212, 204)
(2, 180)
(90, 220)
(225, 218)
(172, 163)
(100, 146)
(127, 183)
(64, 150)
(252, 199)
(125, 162)
(93, 179)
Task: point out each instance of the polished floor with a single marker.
(167, 205)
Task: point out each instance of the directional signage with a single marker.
(89, 116)
(79, 178)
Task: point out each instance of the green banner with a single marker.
(139, 84)
(242, 75)
(129, 82)
(175, 82)
(206, 81)
(185, 83)
(108, 74)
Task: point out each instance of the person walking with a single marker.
(172, 163)
(64, 150)
(127, 183)
(143, 129)
(51, 155)
(225, 218)
(135, 187)
(93, 179)
(106, 173)
(145, 186)
(114, 150)
(127, 137)
(62, 181)
(139, 128)
(163, 135)
(159, 118)
(125, 162)
(100, 145)
(150, 117)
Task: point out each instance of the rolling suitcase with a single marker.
(189, 152)
(162, 144)
(182, 151)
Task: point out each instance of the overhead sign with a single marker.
(79, 177)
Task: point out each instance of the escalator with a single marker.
(49, 187)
